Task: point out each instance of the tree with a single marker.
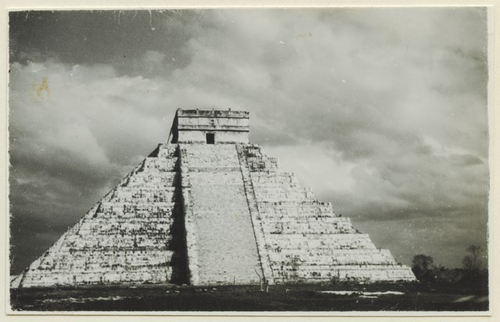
(475, 273)
(424, 262)
(422, 267)
(472, 261)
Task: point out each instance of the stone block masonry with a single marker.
(126, 238)
(209, 208)
(305, 241)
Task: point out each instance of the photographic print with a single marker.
(249, 160)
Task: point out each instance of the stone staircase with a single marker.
(225, 250)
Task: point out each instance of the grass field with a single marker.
(402, 297)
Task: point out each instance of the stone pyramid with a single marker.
(209, 208)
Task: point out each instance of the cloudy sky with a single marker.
(383, 112)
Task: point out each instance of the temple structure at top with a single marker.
(209, 208)
(210, 126)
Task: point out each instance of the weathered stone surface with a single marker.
(211, 210)
(124, 239)
(304, 239)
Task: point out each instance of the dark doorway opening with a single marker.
(210, 138)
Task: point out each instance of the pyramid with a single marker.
(210, 208)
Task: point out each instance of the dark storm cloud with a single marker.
(114, 37)
(381, 111)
